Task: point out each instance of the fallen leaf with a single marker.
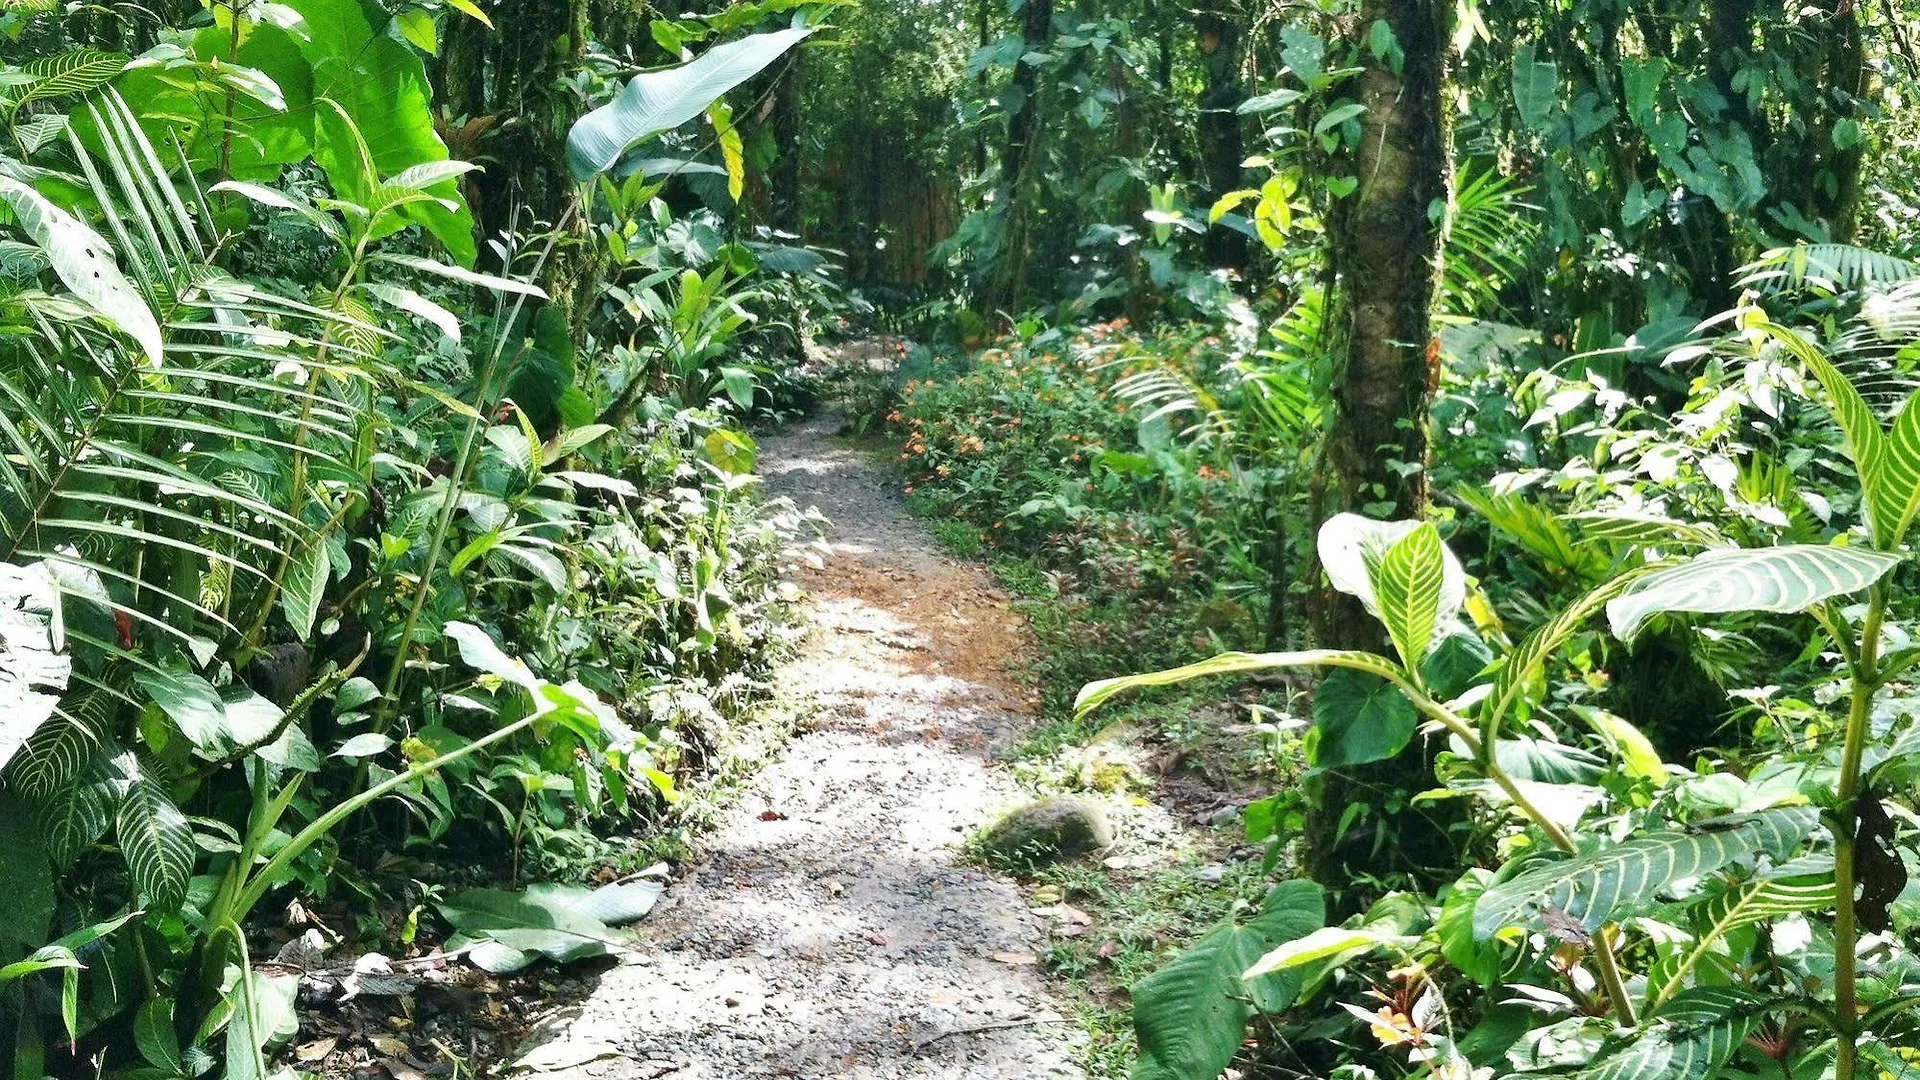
(565, 1054)
(400, 1070)
(772, 815)
(317, 1049)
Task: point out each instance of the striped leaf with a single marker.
(1690, 1039)
(1407, 582)
(1631, 528)
(1783, 579)
(77, 814)
(1525, 664)
(1600, 886)
(1866, 440)
(74, 72)
(158, 845)
(1353, 550)
(1094, 694)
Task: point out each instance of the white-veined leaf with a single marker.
(1616, 880)
(1782, 579)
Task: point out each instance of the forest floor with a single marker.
(832, 926)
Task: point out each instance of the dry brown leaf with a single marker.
(317, 1049)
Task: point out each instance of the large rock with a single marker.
(1049, 831)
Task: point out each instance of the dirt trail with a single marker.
(831, 928)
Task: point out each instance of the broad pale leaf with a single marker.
(1778, 579)
(84, 262)
(32, 669)
(659, 101)
(1616, 880)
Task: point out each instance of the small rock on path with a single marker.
(831, 928)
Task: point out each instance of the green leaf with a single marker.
(190, 701)
(732, 147)
(1617, 880)
(364, 745)
(1336, 116)
(77, 71)
(26, 904)
(1690, 1039)
(1407, 581)
(85, 265)
(538, 922)
(1094, 694)
(416, 24)
(1886, 500)
(1323, 944)
(478, 651)
(1535, 89)
(76, 815)
(1783, 579)
(414, 304)
(1476, 959)
(158, 845)
(1191, 1014)
(1360, 717)
(153, 1034)
(304, 586)
(656, 102)
(1353, 551)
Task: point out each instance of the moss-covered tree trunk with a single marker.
(1017, 158)
(1221, 147)
(1386, 253)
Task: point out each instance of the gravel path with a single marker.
(831, 928)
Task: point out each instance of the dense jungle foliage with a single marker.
(1517, 400)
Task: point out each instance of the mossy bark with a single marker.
(1386, 253)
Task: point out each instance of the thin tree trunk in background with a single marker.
(1221, 150)
(788, 131)
(1386, 253)
(1846, 73)
(1023, 128)
(538, 45)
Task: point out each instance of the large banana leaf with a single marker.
(659, 101)
(1780, 579)
(1598, 887)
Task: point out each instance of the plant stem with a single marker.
(263, 880)
(1603, 954)
(1846, 930)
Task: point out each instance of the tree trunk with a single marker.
(787, 135)
(1023, 128)
(539, 44)
(1219, 128)
(1386, 254)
